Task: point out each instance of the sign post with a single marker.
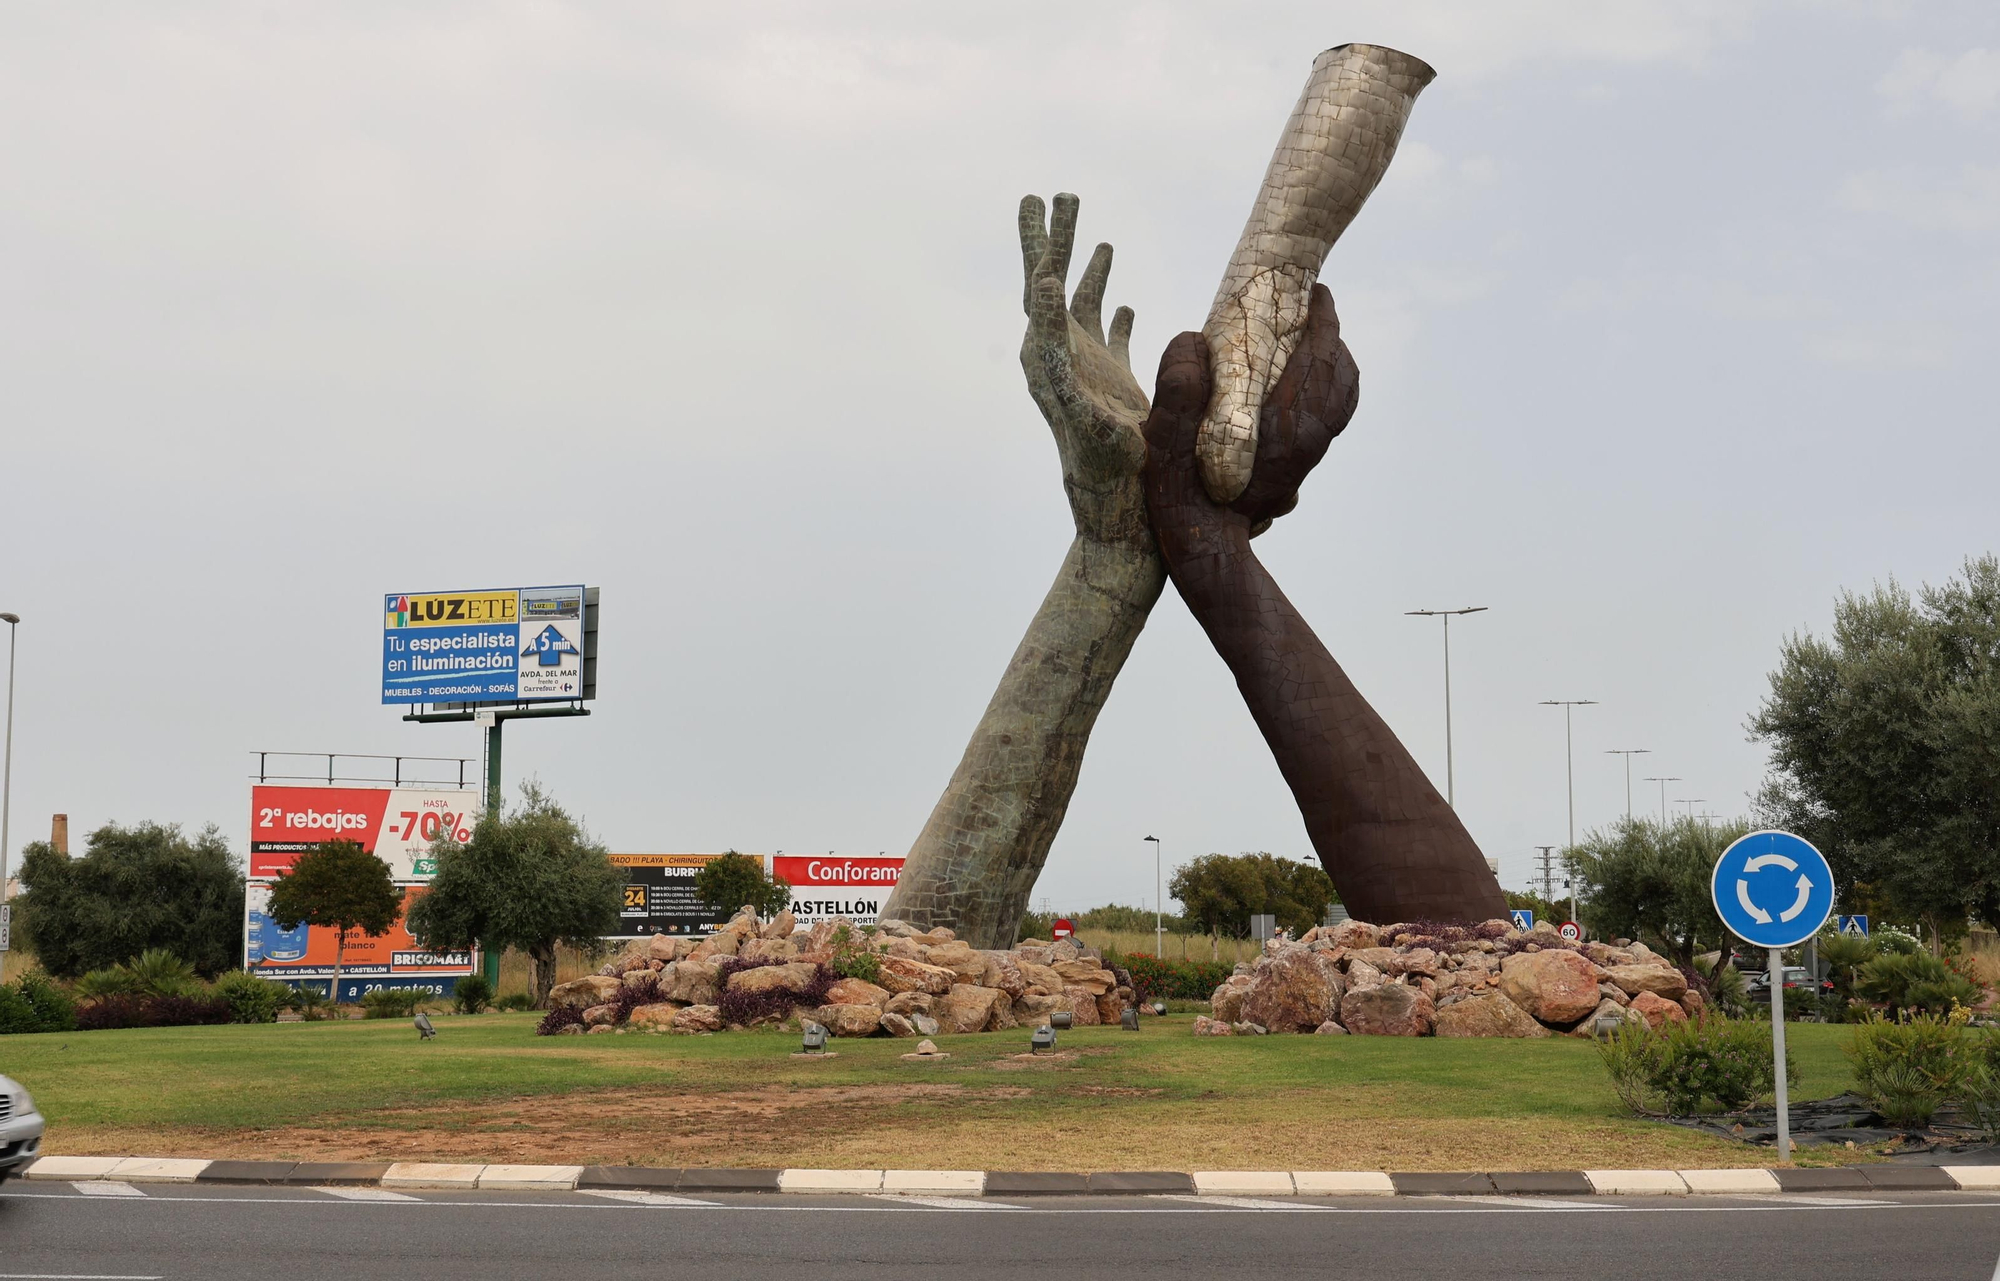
(1774, 890)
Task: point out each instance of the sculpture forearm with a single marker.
(978, 855)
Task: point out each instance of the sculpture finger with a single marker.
(1121, 337)
(1088, 305)
(1307, 407)
(1180, 396)
(1062, 235)
(1033, 220)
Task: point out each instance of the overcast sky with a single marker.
(1673, 319)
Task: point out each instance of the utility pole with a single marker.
(1447, 615)
(1569, 752)
(1159, 905)
(1663, 780)
(1548, 878)
(1628, 753)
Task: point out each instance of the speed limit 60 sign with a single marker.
(1571, 931)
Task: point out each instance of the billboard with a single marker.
(517, 644)
(660, 897)
(391, 960)
(825, 885)
(396, 825)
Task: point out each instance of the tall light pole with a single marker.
(1628, 753)
(1447, 615)
(13, 621)
(1159, 906)
(1569, 753)
(1699, 800)
(1663, 780)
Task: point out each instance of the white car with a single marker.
(20, 1127)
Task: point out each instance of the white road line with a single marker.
(76, 1276)
(647, 1198)
(1794, 1198)
(1530, 1203)
(943, 1202)
(106, 1187)
(1245, 1203)
(366, 1194)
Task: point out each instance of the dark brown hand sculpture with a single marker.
(1394, 849)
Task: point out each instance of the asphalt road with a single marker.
(59, 1232)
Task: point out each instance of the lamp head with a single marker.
(10, 618)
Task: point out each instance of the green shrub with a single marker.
(312, 1003)
(1915, 982)
(251, 999)
(472, 994)
(1726, 990)
(1909, 1068)
(158, 972)
(1844, 955)
(1170, 980)
(115, 981)
(16, 1015)
(1677, 1067)
(515, 1001)
(391, 1002)
(54, 1010)
(852, 959)
(1890, 941)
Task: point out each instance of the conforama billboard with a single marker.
(828, 885)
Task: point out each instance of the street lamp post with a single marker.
(1628, 753)
(1159, 905)
(13, 621)
(1569, 753)
(1447, 615)
(1699, 800)
(1663, 780)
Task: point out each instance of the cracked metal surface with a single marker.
(1332, 153)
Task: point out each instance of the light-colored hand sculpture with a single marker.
(1335, 148)
(977, 857)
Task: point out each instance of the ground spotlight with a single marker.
(1044, 1038)
(1129, 1018)
(1159, 1007)
(1062, 1019)
(815, 1039)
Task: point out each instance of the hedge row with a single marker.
(1170, 980)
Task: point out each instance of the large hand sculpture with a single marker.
(977, 857)
(1394, 850)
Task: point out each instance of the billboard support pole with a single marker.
(489, 958)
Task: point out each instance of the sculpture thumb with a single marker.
(1334, 150)
(1180, 393)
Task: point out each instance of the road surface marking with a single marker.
(944, 1202)
(1525, 1202)
(1246, 1203)
(1793, 1198)
(366, 1194)
(76, 1276)
(106, 1187)
(647, 1198)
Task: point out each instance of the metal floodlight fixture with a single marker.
(1606, 1026)
(1062, 1019)
(1159, 1007)
(424, 1029)
(815, 1039)
(1044, 1038)
(1128, 1018)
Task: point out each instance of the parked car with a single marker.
(20, 1127)
(1797, 980)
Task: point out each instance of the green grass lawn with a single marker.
(487, 1089)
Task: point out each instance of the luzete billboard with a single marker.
(517, 644)
(396, 825)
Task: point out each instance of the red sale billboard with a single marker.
(828, 885)
(396, 825)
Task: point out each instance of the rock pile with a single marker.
(924, 982)
(1430, 980)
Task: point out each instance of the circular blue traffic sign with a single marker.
(1772, 889)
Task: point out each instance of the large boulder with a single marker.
(848, 1020)
(794, 977)
(691, 982)
(1041, 976)
(965, 1008)
(600, 1015)
(1555, 986)
(698, 1018)
(660, 947)
(1003, 972)
(1226, 1002)
(1657, 1009)
(1352, 934)
(1033, 1010)
(717, 946)
(1292, 991)
(1489, 1015)
(1392, 1009)
(897, 1025)
(1086, 974)
(857, 992)
(1362, 975)
(1082, 1004)
(1206, 1026)
(1111, 1007)
(781, 925)
(639, 977)
(768, 950)
(591, 989)
(908, 1003)
(657, 1017)
(1661, 980)
(901, 974)
(1607, 1009)
(966, 964)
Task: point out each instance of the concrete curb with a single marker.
(972, 1183)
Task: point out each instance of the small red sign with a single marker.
(1570, 930)
(1062, 929)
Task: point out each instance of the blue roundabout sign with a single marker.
(1772, 889)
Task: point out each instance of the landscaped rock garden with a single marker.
(1426, 979)
(885, 980)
